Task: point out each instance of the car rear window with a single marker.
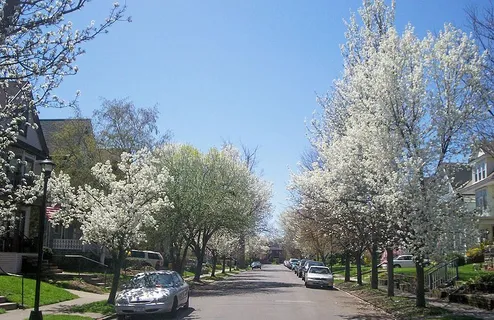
(319, 270)
(154, 256)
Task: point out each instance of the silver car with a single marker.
(319, 276)
(150, 293)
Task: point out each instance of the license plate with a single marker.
(139, 308)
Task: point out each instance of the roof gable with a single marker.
(31, 139)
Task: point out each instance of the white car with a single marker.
(319, 276)
(404, 261)
(152, 293)
(145, 258)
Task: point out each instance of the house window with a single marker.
(481, 199)
(480, 171)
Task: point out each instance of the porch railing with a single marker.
(444, 273)
(67, 244)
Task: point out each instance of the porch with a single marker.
(67, 244)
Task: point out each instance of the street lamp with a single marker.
(47, 167)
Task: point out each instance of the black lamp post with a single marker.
(47, 167)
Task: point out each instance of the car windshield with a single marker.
(319, 270)
(151, 280)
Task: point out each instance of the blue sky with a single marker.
(244, 71)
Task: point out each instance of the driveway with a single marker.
(273, 293)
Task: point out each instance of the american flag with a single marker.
(51, 210)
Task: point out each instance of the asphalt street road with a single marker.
(273, 293)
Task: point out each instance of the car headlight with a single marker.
(162, 299)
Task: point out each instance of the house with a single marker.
(21, 239)
(275, 253)
(72, 145)
(481, 188)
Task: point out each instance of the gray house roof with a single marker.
(460, 172)
(32, 140)
(53, 126)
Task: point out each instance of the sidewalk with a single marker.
(61, 307)
(455, 308)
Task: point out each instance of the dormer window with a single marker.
(480, 171)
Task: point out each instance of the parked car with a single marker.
(151, 293)
(286, 263)
(299, 266)
(143, 258)
(404, 261)
(256, 265)
(292, 262)
(319, 276)
(309, 264)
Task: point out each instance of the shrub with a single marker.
(47, 253)
(475, 255)
(483, 283)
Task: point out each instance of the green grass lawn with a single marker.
(96, 307)
(340, 270)
(64, 317)
(465, 272)
(188, 274)
(11, 287)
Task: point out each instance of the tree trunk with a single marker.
(198, 272)
(223, 269)
(420, 291)
(347, 267)
(117, 266)
(358, 258)
(230, 264)
(182, 260)
(374, 273)
(391, 286)
(215, 258)
(241, 253)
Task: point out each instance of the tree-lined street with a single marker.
(274, 293)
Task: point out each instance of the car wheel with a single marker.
(306, 285)
(173, 311)
(186, 306)
(397, 266)
(330, 287)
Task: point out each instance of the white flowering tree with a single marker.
(437, 95)
(116, 213)
(221, 246)
(38, 49)
(188, 193)
(256, 246)
(214, 195)
(403, 109)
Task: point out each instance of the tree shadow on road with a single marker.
(365, 317)
(251, 283)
